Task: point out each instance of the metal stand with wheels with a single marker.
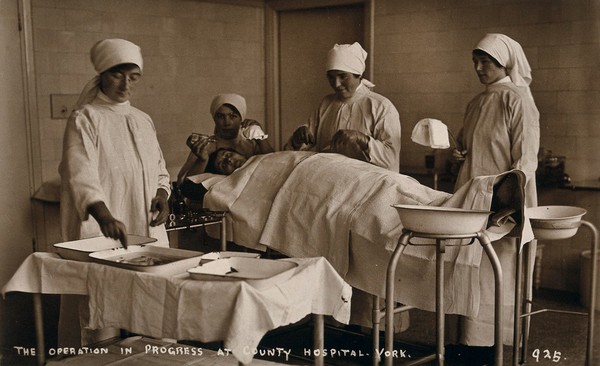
(523, 311)
(391, 309)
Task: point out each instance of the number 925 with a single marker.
(546, 354)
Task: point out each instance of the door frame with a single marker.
(272, 65)
(31, 117)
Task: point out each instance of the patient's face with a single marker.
(227, 161)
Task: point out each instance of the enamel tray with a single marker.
(80, 250)
(259, 273)
(208, 257)
(149, 258)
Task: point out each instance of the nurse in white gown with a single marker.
(353, 121)
(114, 181)
(501, 132)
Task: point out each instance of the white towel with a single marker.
(431, 132)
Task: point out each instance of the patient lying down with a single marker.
(306, 204)
(225, 161)
(222, 161)
(505, 200)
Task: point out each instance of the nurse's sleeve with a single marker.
(525, 137)
(79, 165)
(164, 179)
(313, 123)
(384, 145)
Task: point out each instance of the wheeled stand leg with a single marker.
(592, 311)
(523, 310)
(498, 296)
(440, 310)
(389, 296)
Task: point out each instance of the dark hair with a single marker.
(233, 108)
(211, 164)
(121, 67)
(478, 52)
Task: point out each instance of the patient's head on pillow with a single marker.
(224, 161)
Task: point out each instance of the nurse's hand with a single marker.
(159, 208)
(203, 147)
(349, 137)
(301, 136)
(459, 155)
(110, 227)
(353, 144)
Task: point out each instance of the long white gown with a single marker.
(366, 112)
(501, 132)
(110, 154)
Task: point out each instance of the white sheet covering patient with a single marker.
(329, 205)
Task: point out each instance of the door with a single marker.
(298, 39)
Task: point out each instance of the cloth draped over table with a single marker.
(182, 308)
(304, 204)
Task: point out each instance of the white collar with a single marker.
(103, 97)
(504, 80)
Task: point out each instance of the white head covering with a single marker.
(112, 52)
(234, 99)
(349, 58)
(509, 54)
(104, 55)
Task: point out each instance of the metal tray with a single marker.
(149, 258)
(79, 250)
(259, 273)
(208, 257)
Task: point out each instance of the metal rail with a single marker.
(391, 309)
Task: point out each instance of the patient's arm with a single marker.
(264, 147)
(189, 162)
(198, 167)
(507, 200)
(198, 158)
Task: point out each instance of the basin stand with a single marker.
(523, 310)
(391, 309)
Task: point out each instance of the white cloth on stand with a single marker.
(431, 132)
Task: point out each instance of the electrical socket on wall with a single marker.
(62, 105)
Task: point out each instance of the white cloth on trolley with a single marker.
(179, 307)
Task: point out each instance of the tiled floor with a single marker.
(555, 339)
